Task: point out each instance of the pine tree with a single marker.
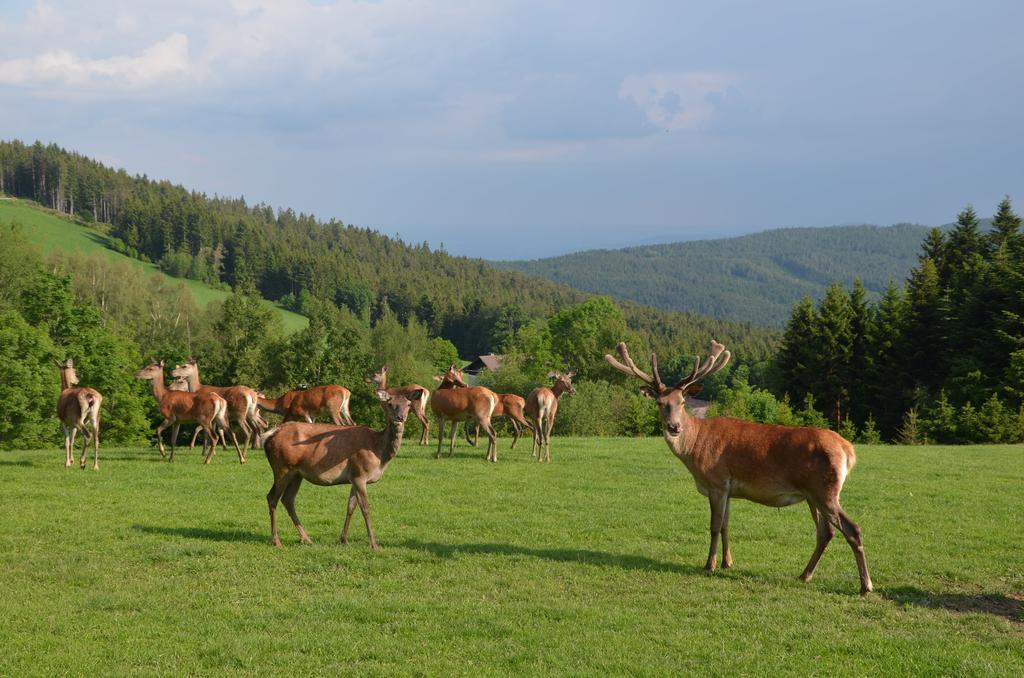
(888, 379)
(924, 340)
(798, 359)
(1005, 226)
(864, 326)
(834, 342)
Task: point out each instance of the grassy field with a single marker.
(51, 232)
(589, 564)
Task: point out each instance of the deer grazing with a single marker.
(209, 410)
(242, 402)
(379, 380)
(456, 401)
(771, 465)
(326, 454)
(541, 408)
(306, 404)
(511, 407)
(79, 411)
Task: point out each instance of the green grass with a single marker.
(52, 232)
(590, 564)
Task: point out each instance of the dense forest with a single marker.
(754, 277)
(298, 260)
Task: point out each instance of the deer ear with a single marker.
(648, 392)
(693, 389)
(438, 378)
(415, 395)
(58, 363)
(571, 374)
(383, 396)
(552, 375)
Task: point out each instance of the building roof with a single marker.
(490, 361)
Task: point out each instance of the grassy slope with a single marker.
(52, 232)
(590, 564)
(756, 278)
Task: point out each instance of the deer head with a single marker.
(189, 370)
(563, 382)
(179, 384)
(378, 378)
(152, 371)
(396, 407)
(451, 379)
(67, 369)
(671, 399)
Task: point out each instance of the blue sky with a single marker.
(526, 129)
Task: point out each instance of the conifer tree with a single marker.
(834, 344)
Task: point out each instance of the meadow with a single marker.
(589, 564)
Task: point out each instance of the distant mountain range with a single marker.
(756, 278)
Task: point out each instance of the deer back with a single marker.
(475, 401)
(324, 453)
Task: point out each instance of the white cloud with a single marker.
(168, 58)
(677, 101)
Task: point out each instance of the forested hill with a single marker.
(296, 259)
(755, 277)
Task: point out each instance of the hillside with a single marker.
(53, 232)
(295, 258)
(757, 278)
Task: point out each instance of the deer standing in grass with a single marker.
(242, 402)
(771, 465)
(306, 404)
(511, 407)
(379, 380)
(79, 411)
(541, 408)
(454, 400)
(326, 454)
(209, 410)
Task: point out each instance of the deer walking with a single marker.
(242, 402)
(511, 407)
(79, 411)
(306, 404)
(541, 408)
(209, 410)
(327, 454)
(379, 380)
(454, 400)
(771, 465)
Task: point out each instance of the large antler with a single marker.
(718, 358)
(632, 370)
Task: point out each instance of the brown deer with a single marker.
(242, 402)
(541, 408)
(326, 454)
(79, 411)
(209, 410)
(511, 407)
(306, 404)
(379, 380)
(771, 465)
(456, 401)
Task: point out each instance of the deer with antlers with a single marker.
(326, 454)
(771, 465)
(379, 380)
(541, 408)
(209, 410)
(78, 409)
(306, 404)
(242, 402)
(456, 401)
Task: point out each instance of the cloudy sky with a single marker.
(525, 129)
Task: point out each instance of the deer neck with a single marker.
(390, 442)
(685, 444)
(193, 381)
(159, 390)
(64, 384)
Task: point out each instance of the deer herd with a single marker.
(728, 458)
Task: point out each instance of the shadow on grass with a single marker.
(202, 533)
(600, 558)
(22, 462)
(996, 604)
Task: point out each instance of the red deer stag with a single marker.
(541, 408)
(242, 402)
(456, 401)
(306, 404)
(76, 407)
(379, 380)
(209, 410)
(326, 454)
(510, 406)
(771, 465)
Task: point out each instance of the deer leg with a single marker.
(234, 441)
(425, 433)
(210, 434)
(726, 551)
(492, 442)
(352, 500)
(824, 531)
(345, 416)
(476, 435)
(455, 431)
(548, 425)
(718, 502)
(159, 436)
(195, 435)
(516, 431)
(440, 435)
(276, 490)
(247, 432)
(852, 533)
(364, 506)
(536, 438)
(288, 499)
(85, 445)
